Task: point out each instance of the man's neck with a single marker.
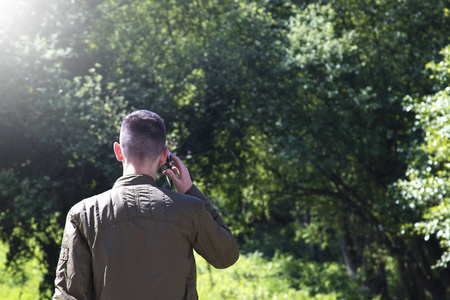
(130, 169)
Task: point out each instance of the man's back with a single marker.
(137, 239)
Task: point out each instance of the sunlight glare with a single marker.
(10, 11)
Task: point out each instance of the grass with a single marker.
(252, 277)
(17, 286)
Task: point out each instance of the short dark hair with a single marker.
(142, 136)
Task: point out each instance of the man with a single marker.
(136, 240)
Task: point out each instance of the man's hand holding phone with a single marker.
(179, 175)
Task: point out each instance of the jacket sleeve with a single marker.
(213, 241)
(74, 270)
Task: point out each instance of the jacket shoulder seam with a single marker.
(126, 219)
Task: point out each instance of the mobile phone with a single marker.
(169, 166)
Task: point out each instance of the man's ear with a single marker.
(118, 151)
(163, 156)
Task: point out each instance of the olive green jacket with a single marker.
(136, 241)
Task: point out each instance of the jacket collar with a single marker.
(134, 179)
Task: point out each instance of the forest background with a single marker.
(319, 129)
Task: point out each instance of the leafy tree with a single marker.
(427, 185)
(74, 117)
(341, 136)
(55, 134)
(198, 63)
(293, 109)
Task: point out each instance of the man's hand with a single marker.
(183, 181)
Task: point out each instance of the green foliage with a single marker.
(437, 222)
(55, 133)
(342, 136)
(428, 184)
(19, 286)
(290, 116)
(254, 277)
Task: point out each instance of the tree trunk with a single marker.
(352, 261)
